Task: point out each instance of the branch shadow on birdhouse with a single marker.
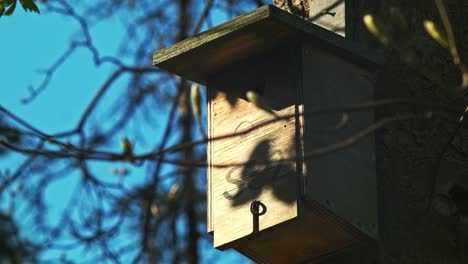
(259, 174)
(271, 75)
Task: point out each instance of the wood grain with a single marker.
(234, 188)
(232, 217)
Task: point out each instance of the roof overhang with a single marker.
(255, 32)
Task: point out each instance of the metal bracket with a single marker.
(257, 209)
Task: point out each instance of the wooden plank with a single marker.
(298, 241)
(210, 35)
(235, 187)
(209, 157)
(263, 29)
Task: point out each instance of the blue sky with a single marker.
(30, 43)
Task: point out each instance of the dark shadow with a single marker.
(274, 76)
(257, 209)
(255, 177)
(261, 74)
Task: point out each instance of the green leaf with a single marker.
(255, 99)
(464, 80)
(374, 30)
(10, 6)
(10, 10)
(29, 5)
(195, 100)
(432, 30)
(127, 149)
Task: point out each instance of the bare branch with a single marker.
(313, 153)
(204, 14)
(452, 46)
(89, 154)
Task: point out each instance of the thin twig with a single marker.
(156, 172)
(313, 153)
(204, 14)
(21, 169)
(116, 74)
(83, 153)
(440, 157)
(452, 45)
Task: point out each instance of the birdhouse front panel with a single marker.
(257, 164)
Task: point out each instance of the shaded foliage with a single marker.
(12, 248)
(7, 7)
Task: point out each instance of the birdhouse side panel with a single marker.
(340, 155)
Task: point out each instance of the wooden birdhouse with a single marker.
(299, 183)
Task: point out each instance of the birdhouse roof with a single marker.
(263, 29)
